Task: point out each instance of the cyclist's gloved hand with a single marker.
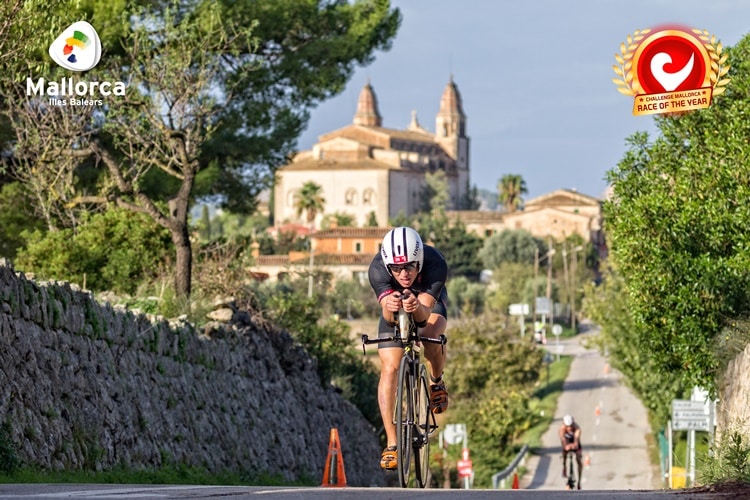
(409, 301)
(393, 302)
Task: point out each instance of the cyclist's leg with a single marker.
(435, 354)
(436, 325)
(564, 463)
(579, 461)
(390, 356)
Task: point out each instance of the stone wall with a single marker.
(88, 385)
(733, 407)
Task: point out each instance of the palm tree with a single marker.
(310, 202)
(510, 189)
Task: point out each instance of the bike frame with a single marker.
(414, 420)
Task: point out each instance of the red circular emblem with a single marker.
(671, 60)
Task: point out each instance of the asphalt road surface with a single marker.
(614, 426)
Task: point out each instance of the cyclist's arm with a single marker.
(420, 306)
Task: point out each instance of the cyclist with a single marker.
(570, 438)
(410, 275)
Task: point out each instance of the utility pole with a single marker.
(550, 252)
(536, 290)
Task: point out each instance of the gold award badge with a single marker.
(670, 69)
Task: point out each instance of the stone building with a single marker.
(365, 169)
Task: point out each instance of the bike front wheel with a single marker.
(404, 420)
(424, 425)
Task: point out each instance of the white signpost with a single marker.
(557, 331)
(689, 415)
(519, 310)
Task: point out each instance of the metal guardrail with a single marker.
(498, 479)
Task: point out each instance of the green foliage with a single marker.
(309, 50)
(114, 250)
(511, 284)
(466, 298)
(15, 217)
(9, 461)
(492, 375)
(677, 223)
(730, 460)
(510, 245)
(330, 342)
(309, 201)
(459, 247)
(510, 190)
(372, 220)
(352, 299)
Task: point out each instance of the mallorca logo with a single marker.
(78, 48)
(670, 69)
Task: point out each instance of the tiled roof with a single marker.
(320, 259)
(352, 232)
(364, 164)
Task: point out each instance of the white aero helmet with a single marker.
(402, 245)
(568, 420)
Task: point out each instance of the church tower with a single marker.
(367, 108)
(450, 132)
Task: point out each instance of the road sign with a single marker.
(543, 305)
(464, 468)
(691, 425)
(455, 433)
(686, 404)
(689, 415)
(518, 310)
(556, 329)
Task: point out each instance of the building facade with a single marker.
(366, 170)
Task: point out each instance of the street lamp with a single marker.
(537, 261)
(573, 267)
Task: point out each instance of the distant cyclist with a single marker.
(409, 275)
(570, 439)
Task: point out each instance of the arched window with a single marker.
(291, 198)
(368, 196)
(350, 198)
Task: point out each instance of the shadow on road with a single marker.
(585, 385)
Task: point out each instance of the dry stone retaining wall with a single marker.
(86, 385)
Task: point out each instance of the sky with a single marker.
(535, 77)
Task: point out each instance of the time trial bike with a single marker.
(412, 415)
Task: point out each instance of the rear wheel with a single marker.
(404, 421)
(423, 421)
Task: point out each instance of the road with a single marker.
(614, 426)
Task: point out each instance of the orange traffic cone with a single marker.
(333, 474)
(515, 481)
(587, 461)
(597, 411)
(606, 368)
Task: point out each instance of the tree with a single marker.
(512, 246)
(510, 189)
(435, 194)
(459, 247)
(309, 201)
(219, 128)
(677, 223)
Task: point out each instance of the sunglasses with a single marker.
(411, 266)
